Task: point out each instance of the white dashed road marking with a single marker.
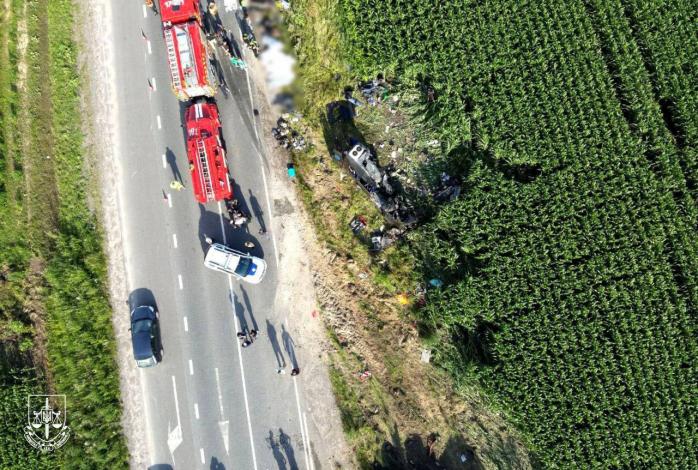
(164, 160)
(191, 367)
(154, 83)
(145, 12)
(196, 410)
(181, 284)
(150, 48)
(186, 324)
(169, 199)
(203, 459)
(159, 122)
(174, 239)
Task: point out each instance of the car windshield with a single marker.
(243, 266)
(142, 326)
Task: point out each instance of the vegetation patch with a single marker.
(569, 260)
(56, 330)
(561, 291)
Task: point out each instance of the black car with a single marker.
(144, 336)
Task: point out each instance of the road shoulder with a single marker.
(97, 63)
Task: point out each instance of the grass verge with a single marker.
(53, 277)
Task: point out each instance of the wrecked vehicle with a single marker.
(375, 181)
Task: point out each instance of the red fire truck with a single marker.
(187, 49)
(209, 170)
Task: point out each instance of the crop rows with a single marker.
(572, 294)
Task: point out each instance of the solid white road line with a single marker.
(266, 193)
(145, 11)
(164, 160)
(242, 374)
(174, 387)
(249, 92)
(159, 122)
(300, 422)
(186, 324)
(174, 437)
(203, 459)
(181, 284)
(174, 239)
(169, 199)
(310, 453)
(196, 410)
(223, 424)
(191, 367)
(220, 395)
(220, 212)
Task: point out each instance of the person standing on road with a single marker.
(151, 4)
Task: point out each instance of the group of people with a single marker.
(287, 137)
(238, 218)
(247, 337)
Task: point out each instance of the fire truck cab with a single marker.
(209, 170)
(187, 49)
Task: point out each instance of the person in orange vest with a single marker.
(151, 4)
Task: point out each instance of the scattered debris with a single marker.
(436, 283)
(426, 356)
(449, 189)
(286, 136)
(357, 224)
(375, 181)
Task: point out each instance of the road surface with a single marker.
(209, 403)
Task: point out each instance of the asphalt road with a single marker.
(209, 403)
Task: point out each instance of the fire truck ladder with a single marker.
(203, 164)
(172, 59)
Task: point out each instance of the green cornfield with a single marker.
(570, 260)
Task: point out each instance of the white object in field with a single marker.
(277, 64)
(426, 356)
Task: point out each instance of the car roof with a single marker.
(223, 257)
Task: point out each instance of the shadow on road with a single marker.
(216, 464)
(287, 446)
(289, 346)
(172, 161)
(161, 466)
(257, 211)
(248, 307)
(271, 332)
(276, 451)
(209, 226)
